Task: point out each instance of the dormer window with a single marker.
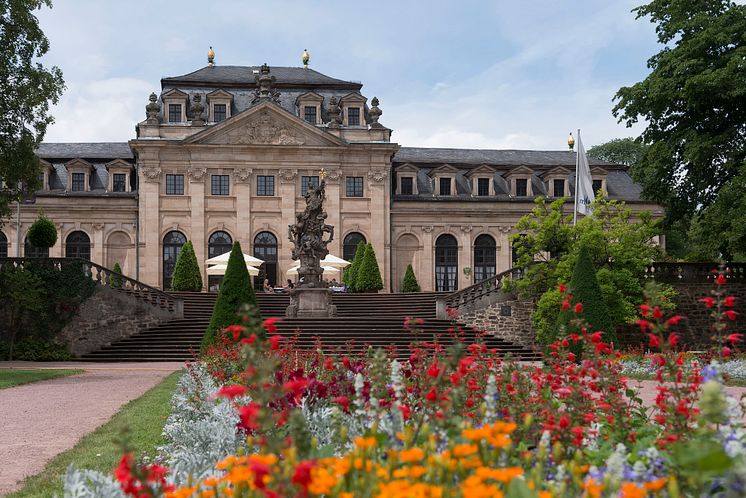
(558, 187)
(119, 182)
(353, 116)
(310, 114)
(309, 107)
(174, 113)
(406, 185)
(483, 187)
(219, 105)
(219, 112)
(353, 106)
(174, 102)
(597, 185)
(46, 171)
(78, 175)
(78, 182)
(445, 186)
(119, 176)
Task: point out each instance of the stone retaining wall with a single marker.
(107, 316)
(508, 318)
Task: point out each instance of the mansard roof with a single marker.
(477, 157)
(90, 150)
(243, 76)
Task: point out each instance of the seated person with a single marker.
(289, 286)
(334, 283)
(267, 288)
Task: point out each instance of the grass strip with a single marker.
(144, 417)
(10, 377)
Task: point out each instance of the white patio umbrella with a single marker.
(223, 259)
(220, 270)
(326, 269)
(332, 260)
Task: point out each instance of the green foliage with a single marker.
(694, 105)
(116, 280)
(28, 90)
(235, 291)
(620, 248)
(627, 151)
(186, 276)
(36, 349)
(368, 275)
(410, 281)
(23, 298)
(350, 275)
(42, 233)
(585, 289)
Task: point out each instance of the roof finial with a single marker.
(306, 58)
(571, 142)
(210, 57)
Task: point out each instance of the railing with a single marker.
(698, 273)
(476, 292)
(108, 278)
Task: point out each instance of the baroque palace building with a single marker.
(226, 153)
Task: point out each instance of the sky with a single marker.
(471, 74)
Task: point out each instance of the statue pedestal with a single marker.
(311, 303)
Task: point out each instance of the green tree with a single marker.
(627, 151)
(409, 284)
(620, 246)
(350, 275)
(116, 280)
(42, 233)
(28, 90)
(186, 276)
(235, 291)
(368, 276)
(22, 294)
(694, 105)
(585, 290)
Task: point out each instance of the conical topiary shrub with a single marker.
(235, 291)
(410, 281)
(350, 274)
(585, 290)
(368, 277)
(43, 233)
(116, 280)
(186, 276)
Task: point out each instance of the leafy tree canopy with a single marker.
(28, 88)
(627, 151)
(694, 105)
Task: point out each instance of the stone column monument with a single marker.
(311, 298)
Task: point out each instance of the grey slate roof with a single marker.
(244, 76)
(97, 150)
(475, 157)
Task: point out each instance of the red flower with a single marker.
(232, 391)
(709, 302)
(571, 357)
(271, 324)
(673, 340)
(260, 469)
(565, 305)
(596, 336)
(726, 351)
(734, 338)
(236, 330)
(249, 415)
(657, 313)
(295, 387)
(720, 279)
(644, 309)
(432, 395)
(249, 340)
(655, 341)
(302, 474)
(644, 325)
(579, 308)
(564, 422)
(729, 301)
(730, 314)
(674, 320)
(562, 288)
(344, 402)
(406, 412)
(274, 342)
(433, 371)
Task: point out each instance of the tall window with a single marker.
(559, 187)
(219, 243)
(309, 114)
(220, 185)
(78, 245)
(265, 185)
(445, 186)
(172, 243)
(353, 116)
(521, 187)
(265, 248)
(349, 246)
(485, 258)
(306, 182)
(354, 186)
(78, 182)
(446, 263)
(407, 185)
(218, 112)
(31, 251)
(119, 182)
(174, 113)
(3, 245)
(175, 184)
(596, 186)
(483, 187)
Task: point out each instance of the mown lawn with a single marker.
(144, 417)
(12, 377)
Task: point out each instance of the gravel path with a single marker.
(42, 419)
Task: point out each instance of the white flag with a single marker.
(583, 181)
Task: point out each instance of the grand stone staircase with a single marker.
(363, 320)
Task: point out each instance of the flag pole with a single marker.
(577, 162)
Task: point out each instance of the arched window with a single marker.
(31, 251)
(78, 245)
(172, 243)
(3, 245)
(446, 263)
(349, 245)
(265, 248)
(485, 258)
(219, 243)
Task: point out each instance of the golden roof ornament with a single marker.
(210, 57)
(322, 173)
(571, 142)
(306, 58)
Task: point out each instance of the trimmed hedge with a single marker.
(410, 283)
(42, 233)
(235, 291)
(187, 275)
(368, 277)
(116, 280)
(350, 275)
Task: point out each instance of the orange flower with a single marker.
(411, 455)
(656, 485)
(463, 450)
(632, 490)
(592, 488)
(365, 442)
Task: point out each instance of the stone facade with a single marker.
(508, 317)
(107, 316)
